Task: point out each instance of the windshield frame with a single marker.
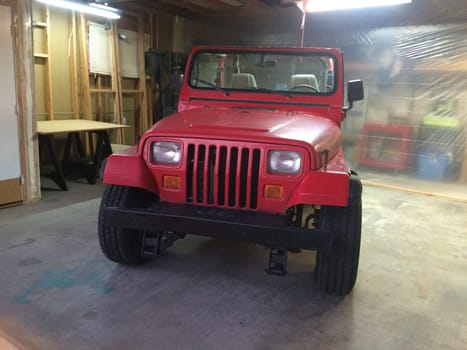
(299, 54)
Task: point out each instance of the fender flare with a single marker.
(128, 168)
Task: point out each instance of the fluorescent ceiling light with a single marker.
(91, 9)
(332, 5)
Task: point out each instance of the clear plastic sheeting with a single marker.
(413, 120)
(412, 123)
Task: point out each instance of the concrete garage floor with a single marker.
(57, 291)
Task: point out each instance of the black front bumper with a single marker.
(268, 229)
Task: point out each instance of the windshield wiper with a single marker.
(226, 93)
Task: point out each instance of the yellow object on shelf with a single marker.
(433, 119)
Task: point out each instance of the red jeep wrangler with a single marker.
(254, 153)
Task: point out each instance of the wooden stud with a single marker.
(99, 101)
(157, 31)
(150, 84)
(84, 72)
(74, 69)
(27, 120)
(84, 69)
(48, 67)
(116, 78)
(142, 79)
(45, 58)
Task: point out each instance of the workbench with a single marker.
(73, 127)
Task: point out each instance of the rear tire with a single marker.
(336, 270)
(120, 245)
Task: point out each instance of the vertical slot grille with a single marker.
(224, 176)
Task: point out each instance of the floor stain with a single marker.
(28, 262)
(26, 242)
(92, 274)
(90, 315)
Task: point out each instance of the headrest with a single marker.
(243, 81)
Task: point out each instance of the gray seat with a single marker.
(303, 79)
(243, 81)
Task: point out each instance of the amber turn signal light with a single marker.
(273, 192)
(170, 182)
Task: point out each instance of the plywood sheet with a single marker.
(74, 125)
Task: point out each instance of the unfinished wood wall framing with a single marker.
(110, 97)
(118, 98)
(53, 79)
(43, 56)
(27, 122)
(142, 124)
(68, 88)
(116, 78)
(84, 69)
(74, 78)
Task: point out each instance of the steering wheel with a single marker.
(306, 86)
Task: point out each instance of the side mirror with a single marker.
(354, 92)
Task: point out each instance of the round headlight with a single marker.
(284, 162)
(165, 152)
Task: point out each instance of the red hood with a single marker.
(274, 127)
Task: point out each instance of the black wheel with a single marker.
(336, 270)
(123, 246)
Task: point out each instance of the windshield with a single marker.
(264, 72)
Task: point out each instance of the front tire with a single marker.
(123, 246)
(336, 270)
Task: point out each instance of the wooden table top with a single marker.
(74, 125)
